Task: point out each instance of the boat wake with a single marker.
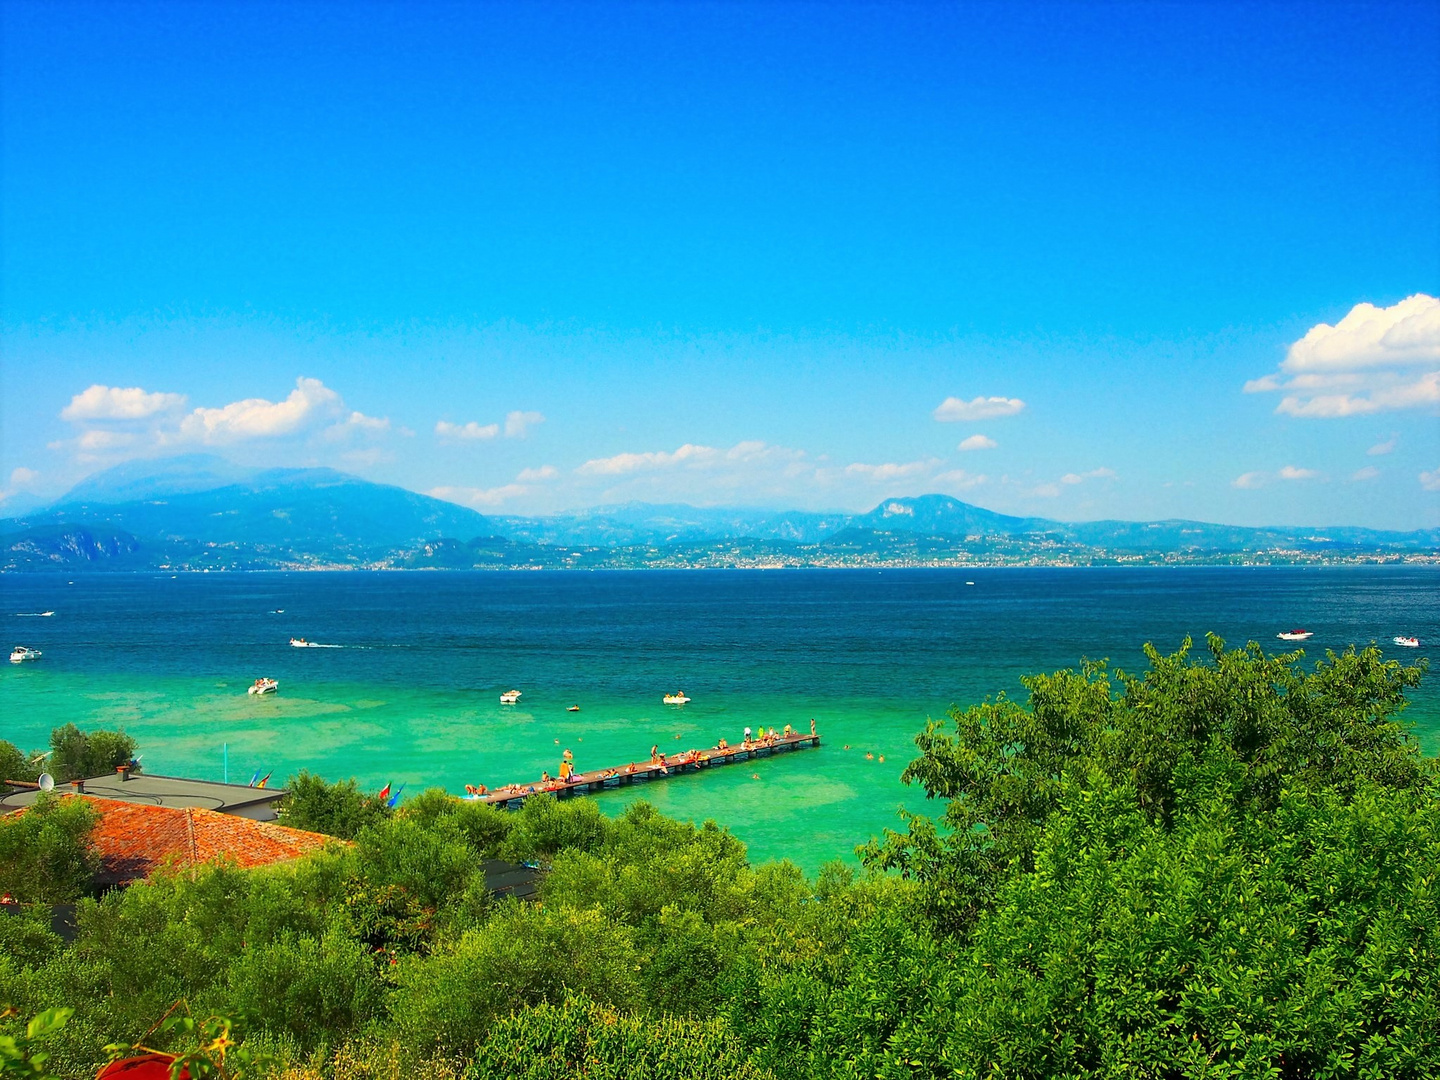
(33, 614)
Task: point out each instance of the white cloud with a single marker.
(621, 464)
(981, 408)
(102, 440)
(958, 480)
(476, 498)
(113, 403)
(977, 442)
(517, 423)
(23, 477)
(1363, 364)
(256, 418)
(1250, 481)
(544, 472)
(1372, 337)
(879, 474)
(1430, 481)
(1385, 447)
(1369, 472)
(1045, 491)
(1094, 474)
(471, 432)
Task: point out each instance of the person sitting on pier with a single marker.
(545, 777)
(722, 744)
(789, 731)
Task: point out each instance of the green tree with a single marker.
(340, 809)
(1002, 768)
(14, 765)
(76, 755)
(45, 852)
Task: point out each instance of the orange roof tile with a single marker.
(133, 839)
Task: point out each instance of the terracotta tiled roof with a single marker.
(133, 839)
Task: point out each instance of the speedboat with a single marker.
(1408, 642)
(677, 698)
(1296, 635)
(510, 697)
(301, 643)
(20, 654)
(263, 686)
(573, 708)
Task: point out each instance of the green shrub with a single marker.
(45, 852)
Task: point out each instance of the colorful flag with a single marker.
(253, 777)
(384, 793)
(396, 797)
(264, 779)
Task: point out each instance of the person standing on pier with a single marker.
(747, 737)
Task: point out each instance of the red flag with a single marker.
(384, 793)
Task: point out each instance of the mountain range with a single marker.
(200, 511)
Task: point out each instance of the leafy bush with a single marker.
(340, 809)
(45, 853)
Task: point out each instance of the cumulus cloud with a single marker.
(471, 432)
(958, 480)
(954, 409)
(476, 498)
(1369, 472)
(1252, 480)
(1094, 474)
(1430, 481)
(1366, 363)
(533, 476)
(257, 418)
(621, 464)
(117, 423)
(977, 442)
(23, 477)
(879, 474)
(517, 423)
(113, 403)
(1385, 447)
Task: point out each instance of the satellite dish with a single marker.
(47, 782)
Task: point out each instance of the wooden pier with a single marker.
(690, 761)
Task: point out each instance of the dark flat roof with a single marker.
(159, 791)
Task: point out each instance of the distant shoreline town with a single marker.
(198, 513)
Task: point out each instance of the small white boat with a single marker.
(34, 614)
(510, 697)
(1408, 642)
(263, 686)
(20, 654)
(1296, 635)
(677, 698)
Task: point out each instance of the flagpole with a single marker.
(226, 753)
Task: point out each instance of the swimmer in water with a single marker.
(869, 756)
(754, 776)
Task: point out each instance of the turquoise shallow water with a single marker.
(412, 695)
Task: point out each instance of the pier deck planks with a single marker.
(588, 783)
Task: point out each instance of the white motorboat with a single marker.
(677, 698)
(263, 686)
(301, 643)
(1408, 642)
(1296, 635)
(20, 654)
(510, 697)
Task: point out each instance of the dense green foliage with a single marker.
(73, 755)
(341, 809)
(45, 853)
(1223, 867)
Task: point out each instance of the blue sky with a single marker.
(537, 257)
